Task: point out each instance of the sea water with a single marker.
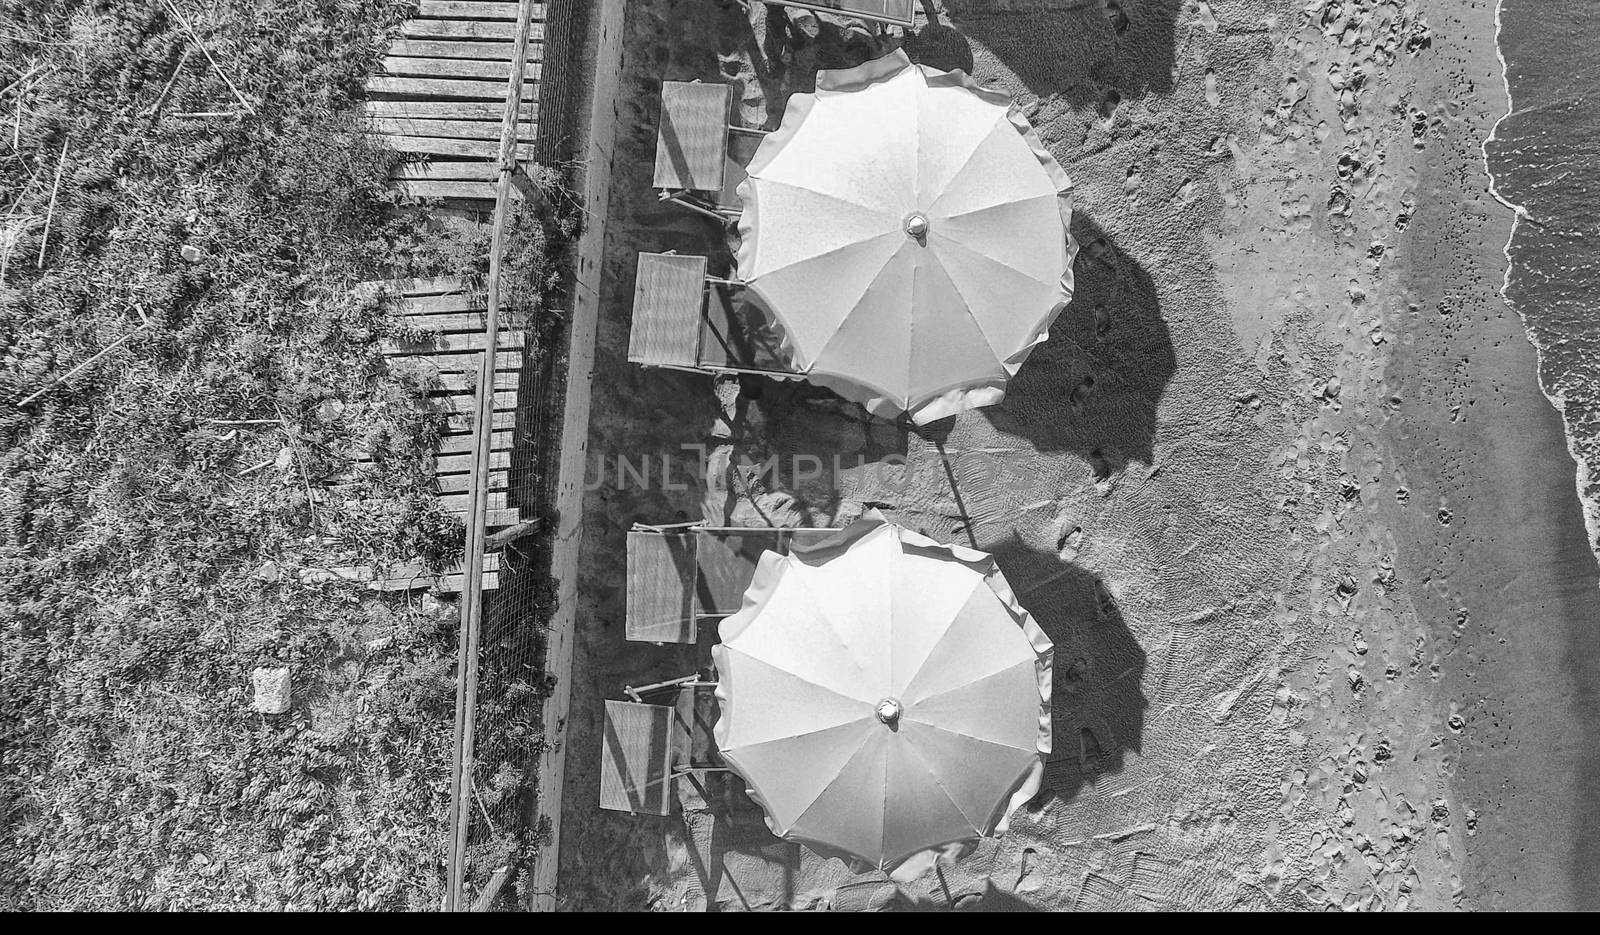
(1543, 160)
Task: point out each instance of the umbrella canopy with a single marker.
(909, 233)
(883, 696)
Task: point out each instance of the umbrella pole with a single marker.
(950, 475)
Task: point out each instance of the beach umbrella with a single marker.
(885, 698)
(908, 232)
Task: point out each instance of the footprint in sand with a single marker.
(1081, 393)
(1116, 17)
(1070, 542)
(1108, 107)
(1100, 466)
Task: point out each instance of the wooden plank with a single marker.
(404, 571)
(456, 424)
(455, 464)
(458, 502)
(462, 88)
(480, 51)
(452, 323)
(457, 483)
(458, 29)
(452, 583)
(449, 110)
(450, 343)
(419, 287)
(457, 363)
(461, 403)
(477, 9)
(408, 65)
(456, 191)
(447, 170)
(441, 146)
(461, 300)
(462, 444)
(636, 758)
(446, 129)
(459, 382)
(497, 518)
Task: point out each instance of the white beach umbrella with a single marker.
(909, 233)
(883, 696)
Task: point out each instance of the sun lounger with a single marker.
(893, 12)
(646, 747)
(693, 166)
(686, 320)
(692, 142)
(679, 576)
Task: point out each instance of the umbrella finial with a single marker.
(917, 226)
(889, 711)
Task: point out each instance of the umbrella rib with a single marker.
(734, 755)
(1053, 196)
(834, 781)
(924, 699)
(822, 615)
(966, 162)
(943, 632)
(824, 255)
(992, 260)
(892, 224)
(734, 653)
(966, 305)
(851, 376)
(928, 768)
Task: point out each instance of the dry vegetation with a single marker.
(157, 537)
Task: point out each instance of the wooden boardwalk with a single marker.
(451, 353)
(441, 96)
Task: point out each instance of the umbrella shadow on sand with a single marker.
(1097, 714)
(1097, 700)
(1093, 387)
(1097, 52)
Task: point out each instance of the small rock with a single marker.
(329, 410)
(191, 253)
(266, 571)
(272, 690)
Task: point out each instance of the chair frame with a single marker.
(700, 365)
(822, 6)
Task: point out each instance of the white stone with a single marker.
(272, 690)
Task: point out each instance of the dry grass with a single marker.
(157, 540)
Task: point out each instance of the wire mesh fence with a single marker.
(506, 824)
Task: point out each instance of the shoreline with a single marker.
(1558, 698)
(1584, 478)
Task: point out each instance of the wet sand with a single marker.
(1308, 543)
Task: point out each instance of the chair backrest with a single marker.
(669, 297)
(661, 587)
(636, 758)
(692, 141)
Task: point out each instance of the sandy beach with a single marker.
(1282, 487)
